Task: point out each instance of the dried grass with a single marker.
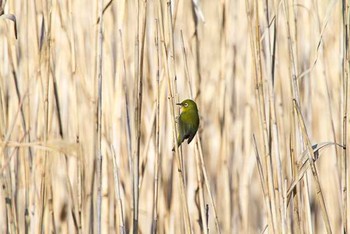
(88, 121)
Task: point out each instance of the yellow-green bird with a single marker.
(188, 121)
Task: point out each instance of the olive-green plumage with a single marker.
(188, 121)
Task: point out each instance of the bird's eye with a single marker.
(185, 105)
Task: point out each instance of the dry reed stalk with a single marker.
(197, 16)
(268, 167)
(262, 179)
(313, 168)
(205, 227)
(321, 49)
(300, 119)
(98, 118)
(307, 215)
(168, 55)
(139, 58)
(187, 73)
(293, 135)
(127, 107)
(129, 141)
(117, 193)
(12, 223)
(303, 164)
(345, 125)
(79, 175)
(9, 192)
(45, 170)
(144, 157)
(75, 208)
(199, 160)
(137, 123)
(292, 68)
(206, 180)
(48, 98)
(274, 132)
(27, 164)
(157, 163)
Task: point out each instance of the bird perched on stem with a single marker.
(188, 121)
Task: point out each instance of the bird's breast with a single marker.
(190, 117)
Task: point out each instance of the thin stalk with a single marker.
(144, 158)
(44, 181)
(199, 174)
(117, 193)
(157, 162)
(205, 227)
(127, 108)
(139, 56)
(99, 156)
(170, 74)
(345, 97)
(270, 58)
(198, 152)
(187, 73)
(256, 54)
(206, 180)
(196, 18)
(313, 168)
(262, 180)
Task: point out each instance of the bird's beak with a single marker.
(179, 104)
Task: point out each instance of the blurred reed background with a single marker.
(87, 116)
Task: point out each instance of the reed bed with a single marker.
(88, 116)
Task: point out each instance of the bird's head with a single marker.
(188, 105)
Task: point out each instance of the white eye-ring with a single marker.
(185, 105)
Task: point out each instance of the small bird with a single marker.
(188, 121)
